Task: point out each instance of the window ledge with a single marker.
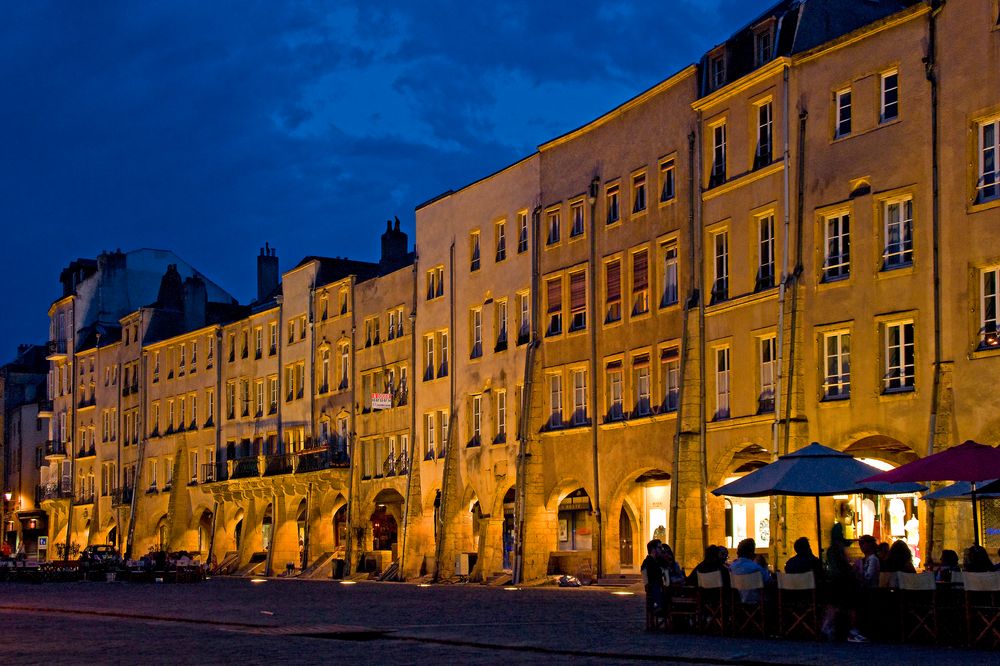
(984, 352)
(973, 207)
(895, 271)
(740, 421)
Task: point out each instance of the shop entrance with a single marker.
(508, 530)
(575, 530)
(626, 553)
(655, 500)
(383, 529)
(267, 528)
(340, 528)
(748, 518)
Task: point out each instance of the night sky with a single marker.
(209, 128)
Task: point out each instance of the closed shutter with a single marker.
(555, 295)
(578, 292)
(640, 271)
(614, 270)
(669, 354)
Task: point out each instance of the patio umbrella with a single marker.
(962, 490)
(813, 471)
(969, 461)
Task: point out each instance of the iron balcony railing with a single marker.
(121, 496)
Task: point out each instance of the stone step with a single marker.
(619, 580)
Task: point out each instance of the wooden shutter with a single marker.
(577, 292)
(614, 271)
(555, 295)
(640, 271)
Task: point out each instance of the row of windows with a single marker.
(181, 413)
(476, 250)
(384, 456)
(888, 104)
(385, 388)
(341, 306)
(393, 329)
(184, 358)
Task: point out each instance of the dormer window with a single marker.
(763, 44)
(717, 70)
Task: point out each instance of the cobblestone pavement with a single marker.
(238, 621)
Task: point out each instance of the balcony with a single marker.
(44, 409)
(121, 496)
(244, 468)
(208, 472)
(86, 402)
(56, 350)
(86, 453)
(280, 464)
(55, 450)
(51, 491)
(395, 465)
(84, 498)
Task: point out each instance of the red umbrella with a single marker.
(969, 461)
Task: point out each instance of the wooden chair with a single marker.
(917, 606)
(888, 579)
(797, 612)
(656, 612)
(682, 608)
(711, 603)
(982, 609)
(748, 618)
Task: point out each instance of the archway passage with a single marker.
(509, 528)
(626, 552)
(267, 527)
(384, 529)
(655, 502)
(575, 522)
(301, 528)
(747, 517)
(204, 531)
(340, 528)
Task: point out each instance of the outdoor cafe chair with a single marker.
(917, 606)
(888, 579)
(682, 607)
(748, 618)
(982, 608)
(711, 602)
(797, 612)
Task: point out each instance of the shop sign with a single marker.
(381, 400)
(43, 542)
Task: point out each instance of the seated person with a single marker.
(804, 561)
(708, 565)
(949, 565)
(900, 558)
(652, 576)
(977, 560)
(746, 552)
(673, 574)
(871, 565)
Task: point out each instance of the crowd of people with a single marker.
(840, 578)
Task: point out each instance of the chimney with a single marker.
(171, 293)
(195, 303)
(394, 244)
(267, 272)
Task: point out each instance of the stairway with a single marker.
(619, 580)
(256, 565)
(322, 567)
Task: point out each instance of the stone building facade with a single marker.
(786, 242)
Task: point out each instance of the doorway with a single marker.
(626, 550)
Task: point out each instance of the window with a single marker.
(890, 96)
(476, 421)
(555, 401)
(230, 400)
(639, 193)
(611, 198)
(291, 333)
(522, 232)
(429, 367)
(500, 323)
(988, 180)
(258, 398)
(578, 301)
(324, 307)
(553, 294)
(194, 409)
(501, 402)
(209, 406)
(898, 234)
(768, 374)
(442, 418)
(670, 287)
(764, 153)
(272, 336)
(523, 318)
(718, 175)
(843, 111)
(272, 390)
(837, 248)
(245, 397)
(156, 366)
(302, 327)
(720, 267)
(443, 368)
(371, 331)
(899, 357)
(640, 282)
(667, 172)
(614, 388)
(474, 251)
(717, 71)
(988, 334)
(258, 342)
(182, 359)
(579, 397)
(765, 252)
(762, 46)
(194, 356)
(670, 363)
(435, 283)
(837, 365)
(391, 333)
(552, 218)
(576, 214)
(345, 366)
(613, 291)
(289, 383)
(722, 383)
(429, 432)
(642, 385)
(500, 230)
(476, 333)
(193, 466)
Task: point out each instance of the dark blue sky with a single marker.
(209, 128)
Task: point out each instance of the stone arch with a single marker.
(738, 460)
(645, 495)
(880, 447)
(561, 490)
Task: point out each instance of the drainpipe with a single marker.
(72, 432)
(930, 64)
(525, 414)
(694, 296)
(411, 403)
(280, 299)
(702, 434)
(592, 306)
(782, 293)
(352, 445)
